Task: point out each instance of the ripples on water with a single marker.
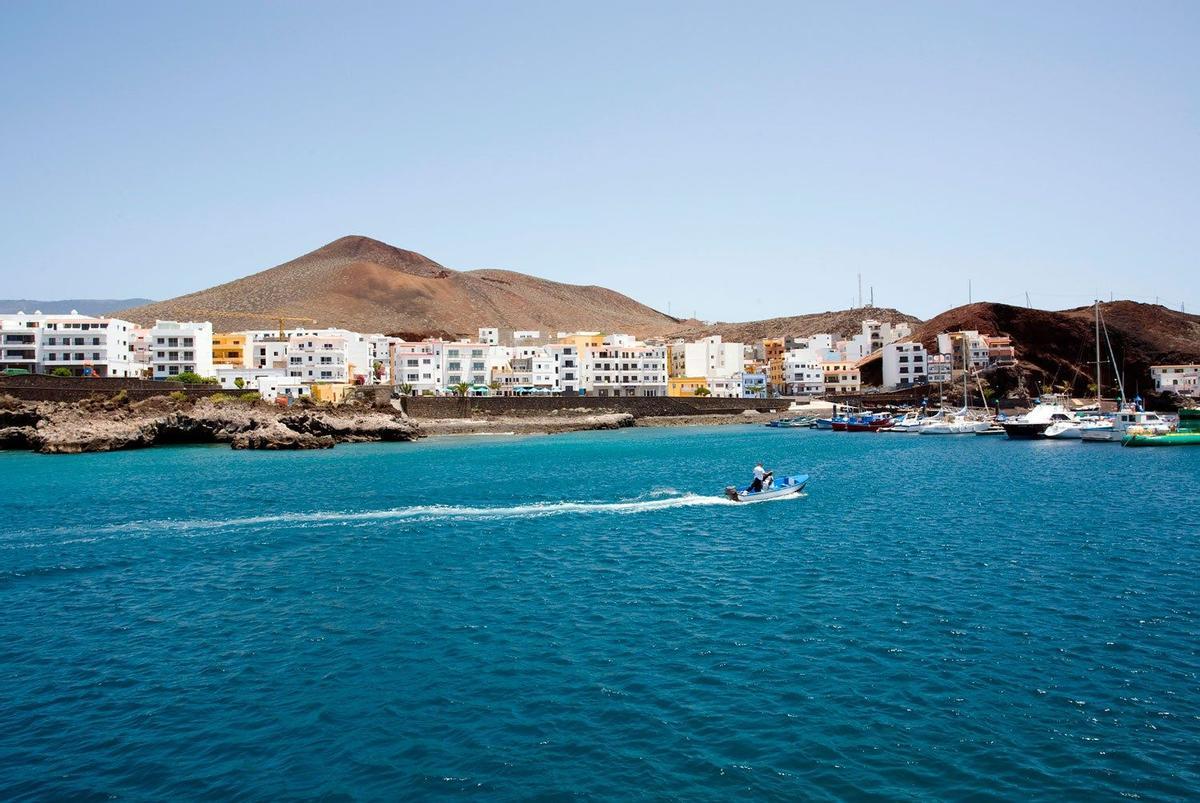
(583, 615)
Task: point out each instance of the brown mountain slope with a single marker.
(369, 286)
(840, 322)
(1060, 347)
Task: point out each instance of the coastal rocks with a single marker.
(72, 428)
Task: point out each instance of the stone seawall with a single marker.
(39, 387)
(431, 407)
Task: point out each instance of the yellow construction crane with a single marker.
(274, 316)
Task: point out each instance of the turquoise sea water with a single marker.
(582, 616)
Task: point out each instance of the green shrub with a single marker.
(190, 378)
(179, 395)
(219, 398)
(251, 397)
(60, 371)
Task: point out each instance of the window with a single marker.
(79, 357)
(95, 341)
(79, 341)
(51, 356)
(173, 370)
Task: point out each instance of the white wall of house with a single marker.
(622, 366)
(82, 343)
(177, 347)
(903, 364)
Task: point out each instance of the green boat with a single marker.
(1188, 433)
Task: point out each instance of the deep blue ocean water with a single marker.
(581, 616)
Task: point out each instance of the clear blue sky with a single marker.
(739, 160)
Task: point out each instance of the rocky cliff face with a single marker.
(108, 425)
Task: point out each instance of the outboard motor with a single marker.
(731, 492)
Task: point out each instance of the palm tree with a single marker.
(494, 387)
(406, 389)
(461, 389)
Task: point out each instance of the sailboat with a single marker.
(961, 422)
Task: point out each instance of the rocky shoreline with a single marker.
(109, 424)
(104, 425)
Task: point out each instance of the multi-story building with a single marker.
(621, 366)
(568, 371)
(967, 347)
(1000, 349)
(489, 335)
(330, 355)
(20, 341)
(417, 365)
(1181, 379)
(939, 368)
(708, 357)
(180, 347)
(87, 346)
(841, 377)
(802, 373)
(467, 362)
(773, 351)
(754, 385)
(252, 379)
(526, 336)
(903, 364)
(231, 349)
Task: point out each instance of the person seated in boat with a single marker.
(763, 479)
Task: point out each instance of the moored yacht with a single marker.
(1035, 422)
(1068, 430)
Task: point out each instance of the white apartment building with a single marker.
(87, 346)
(20, 341)
(903, 364)
(621, 366)
(178, 347)
(568, 372)
(1181, 379)
(287, 387)
(939, 368)
(330, 355)
(708, 357)
(418, 365)
(526, 336)
(802, 373)
(489, 335)
(468, 362)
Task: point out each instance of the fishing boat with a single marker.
(800, 422)
(1188, 433)
(786, 486)
(869, 422)
(1125, 421)
(823, 423)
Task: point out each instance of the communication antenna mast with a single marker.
(860, 290)
(970, 293)
(1027, 304)
(872, 295)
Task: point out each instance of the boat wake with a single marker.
(417, 513)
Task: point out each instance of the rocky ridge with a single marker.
(112, 424)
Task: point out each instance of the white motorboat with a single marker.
(785, 486)
(1035, 422)
(912, 421)
(959, 423)
(1124, 421)
(1074, 430)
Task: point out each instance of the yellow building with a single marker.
(229, 348)
(841, 378)
(685, 385)
(331, 392)
(583, 340)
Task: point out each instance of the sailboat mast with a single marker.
(1099, 405)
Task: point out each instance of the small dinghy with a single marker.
(785, 486)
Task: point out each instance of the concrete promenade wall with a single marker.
(39, 387)
(478, 406)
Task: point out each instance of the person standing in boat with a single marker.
(762, 478)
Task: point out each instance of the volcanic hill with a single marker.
(838, 322)
(1059, 348)
(368, 286)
